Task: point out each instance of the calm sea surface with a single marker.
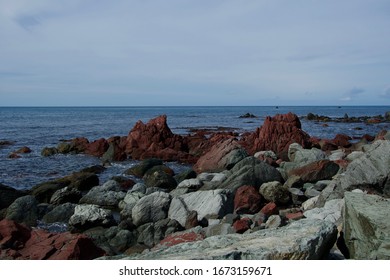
(39, 127)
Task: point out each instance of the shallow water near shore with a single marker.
(39, 127)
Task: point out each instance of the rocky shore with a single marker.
(275, 193)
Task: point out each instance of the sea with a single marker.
(39, 127)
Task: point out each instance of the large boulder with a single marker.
(370, 172)
(302, 156)
(206, 203)
(108, 195)
(223, 155)
(24, 210)
(275, 192)
(160, 177)
(151, 208)
(97, 148)
(250, 171)
(316, 171)
(89, 216)
(60, 213)
(276, 134)
(141, 168)
(303, 239)
(367, 226)
(116, 149)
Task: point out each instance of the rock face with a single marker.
(250, 171)
(20, 242)
(276, 134)
(223, 155)
(370, 171)
(367, 226)
(303, 239)
(8, 195)
(154, 139)
(151, 208)
(205, 203)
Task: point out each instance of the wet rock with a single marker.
(222, 156)
(157, 177)
(151, 208)
(49, 151)
(116, 149)
(24, 210)
(366, 226)
(60, 214)
(303, 239)
(23, 150)
(275, 192)
(213, 202)
(97, 148)
(140, 169)
(89, 216)
(247, 200)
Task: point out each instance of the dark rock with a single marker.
(65, 195)
(23, 150)
(140, 169)
(250, 171)
(60, 214)
(192, 220)
(49, 151)
(95, 169)
(8, 195)
(116, 149)
(151, 208)
(159, 178)
(24, 210)
(14, 155)
(248, 116)
(187, 174)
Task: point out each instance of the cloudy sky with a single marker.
(194, 52)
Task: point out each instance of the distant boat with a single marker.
(339, 107)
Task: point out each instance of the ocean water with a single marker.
(39, 127)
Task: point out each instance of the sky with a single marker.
(194, 52)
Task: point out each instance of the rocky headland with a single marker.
(275, 193)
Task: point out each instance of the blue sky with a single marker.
(194, 52)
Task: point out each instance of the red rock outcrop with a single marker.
(316, 171)
(155, 139)
(21, 242)
(97, 148)
(276, 134)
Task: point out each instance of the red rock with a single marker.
(368, 137)
(327, 145)
(215, 159)
(192, 220)
(97, 148)
(23, 150)
(270, 209)
(342, 163)
(242, 225)
(79, 144)
(117, 149)
(342, 140)
(247, 200)
(154, 139)
(13, 235)
(20, 242)
(180, 237)
(316, 171)
(14, 155)
(276, 134)
(294, 216)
